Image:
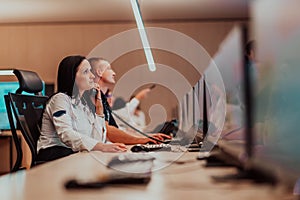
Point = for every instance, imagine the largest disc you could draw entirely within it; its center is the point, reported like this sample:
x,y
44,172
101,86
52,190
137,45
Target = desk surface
x,y
25,148
188,178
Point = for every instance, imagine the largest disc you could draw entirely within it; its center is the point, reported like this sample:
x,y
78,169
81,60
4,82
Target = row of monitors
x,y
220,84
274,82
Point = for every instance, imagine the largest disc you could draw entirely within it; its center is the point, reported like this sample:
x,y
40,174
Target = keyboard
x,y
151,147
173,141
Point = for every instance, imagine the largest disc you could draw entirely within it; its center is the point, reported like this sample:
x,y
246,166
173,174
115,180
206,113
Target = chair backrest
x,y
13,129
28,82
19,108
28,110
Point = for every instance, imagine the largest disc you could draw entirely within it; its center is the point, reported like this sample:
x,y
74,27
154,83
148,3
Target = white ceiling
x,y
20,11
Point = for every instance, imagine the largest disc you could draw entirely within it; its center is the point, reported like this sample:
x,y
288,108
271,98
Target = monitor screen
x,y
186,111
277,96
224,102
201,104
201,110
189,116
5,88
229,60
198,103
225,105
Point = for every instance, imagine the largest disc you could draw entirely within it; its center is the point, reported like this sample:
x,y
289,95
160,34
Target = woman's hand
x,y
114,147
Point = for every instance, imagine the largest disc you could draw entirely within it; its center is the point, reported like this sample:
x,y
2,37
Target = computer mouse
x,y
139,148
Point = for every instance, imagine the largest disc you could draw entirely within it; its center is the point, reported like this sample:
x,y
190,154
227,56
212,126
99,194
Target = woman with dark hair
x,y
69,123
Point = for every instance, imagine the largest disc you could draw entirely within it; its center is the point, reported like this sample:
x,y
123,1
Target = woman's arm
x,y
60,112
116,135
113,147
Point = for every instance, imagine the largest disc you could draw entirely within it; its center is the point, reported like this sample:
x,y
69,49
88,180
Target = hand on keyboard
x,y
160,136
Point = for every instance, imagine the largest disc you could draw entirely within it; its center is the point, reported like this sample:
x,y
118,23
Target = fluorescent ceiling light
x,y
6,72
143,35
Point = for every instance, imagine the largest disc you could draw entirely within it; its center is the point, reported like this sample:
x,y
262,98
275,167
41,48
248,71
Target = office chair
x,y
27,111
28,82
16,140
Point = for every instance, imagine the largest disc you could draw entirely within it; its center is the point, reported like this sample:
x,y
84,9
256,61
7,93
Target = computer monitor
x,y
199,114
213,107
201,111
229,61
182,110
276,94
190,110
5,88
188,117
271,116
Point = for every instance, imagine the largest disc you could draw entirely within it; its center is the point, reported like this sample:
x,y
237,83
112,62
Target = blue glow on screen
x,y
5,88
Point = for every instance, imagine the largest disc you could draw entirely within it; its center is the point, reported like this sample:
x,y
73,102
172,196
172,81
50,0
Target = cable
x,y
135,129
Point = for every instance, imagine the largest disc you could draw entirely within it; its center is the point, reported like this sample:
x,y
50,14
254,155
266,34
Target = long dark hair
x,y
66,75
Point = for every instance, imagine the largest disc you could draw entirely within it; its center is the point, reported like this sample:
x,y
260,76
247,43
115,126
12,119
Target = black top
x,y
107,112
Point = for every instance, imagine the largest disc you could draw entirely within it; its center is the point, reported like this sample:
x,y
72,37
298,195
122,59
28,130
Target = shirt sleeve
x,y
62,116
141,118
132,105
100,128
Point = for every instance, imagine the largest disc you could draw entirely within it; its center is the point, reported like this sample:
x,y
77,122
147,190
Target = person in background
x,y
118,103
132,112
110,98
250,51
251,63
69,125
105,77
250,59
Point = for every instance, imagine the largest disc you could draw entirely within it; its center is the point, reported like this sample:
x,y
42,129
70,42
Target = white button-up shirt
x,y
68,123
128,114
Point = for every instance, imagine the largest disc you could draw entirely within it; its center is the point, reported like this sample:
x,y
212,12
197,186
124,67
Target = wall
x,y
41,46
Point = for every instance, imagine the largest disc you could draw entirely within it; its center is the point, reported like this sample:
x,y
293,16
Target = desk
x,y
8,152
191,180
6,149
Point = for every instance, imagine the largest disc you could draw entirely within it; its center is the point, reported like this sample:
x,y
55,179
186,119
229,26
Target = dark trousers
x,y
53,153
